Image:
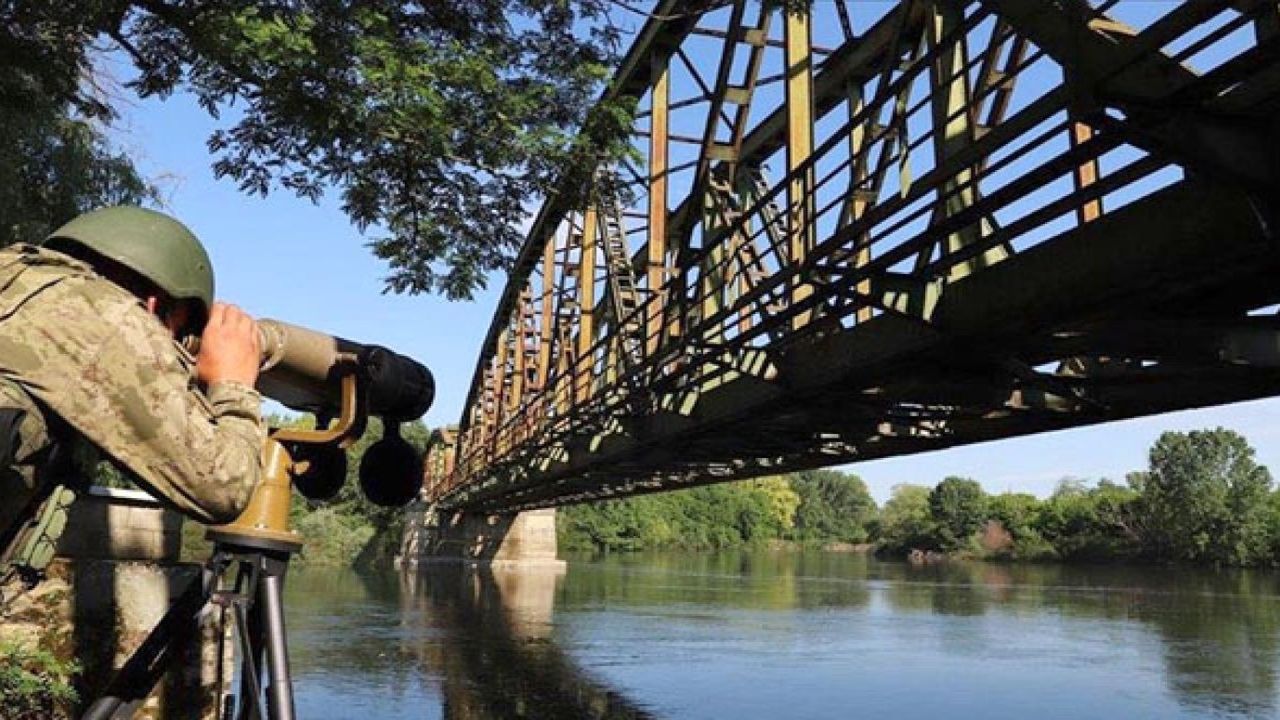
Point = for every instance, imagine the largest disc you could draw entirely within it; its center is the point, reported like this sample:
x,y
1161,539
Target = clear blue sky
x,y
283,257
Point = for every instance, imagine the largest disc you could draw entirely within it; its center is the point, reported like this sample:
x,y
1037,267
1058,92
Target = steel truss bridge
x,y
873,229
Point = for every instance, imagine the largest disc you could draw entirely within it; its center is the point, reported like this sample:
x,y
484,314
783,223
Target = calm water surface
x,y
777,635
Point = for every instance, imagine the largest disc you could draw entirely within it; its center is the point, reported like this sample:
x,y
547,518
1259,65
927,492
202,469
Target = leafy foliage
x,y
1018,513
34,685
906,522
806,507
436,121
1083,523
333,535
1022,516
833,507
55,165
55,161
782,504
1205,499
959,507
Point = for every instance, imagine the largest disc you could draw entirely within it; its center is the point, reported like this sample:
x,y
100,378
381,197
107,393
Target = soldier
x,y
90,325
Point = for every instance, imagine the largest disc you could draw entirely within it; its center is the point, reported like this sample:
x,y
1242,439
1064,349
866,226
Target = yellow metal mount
x,y
265,521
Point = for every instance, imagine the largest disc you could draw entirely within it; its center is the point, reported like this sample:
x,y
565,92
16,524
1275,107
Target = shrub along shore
x,y
1203,499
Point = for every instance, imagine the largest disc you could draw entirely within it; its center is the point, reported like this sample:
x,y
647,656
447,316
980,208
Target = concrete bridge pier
x,y
526,539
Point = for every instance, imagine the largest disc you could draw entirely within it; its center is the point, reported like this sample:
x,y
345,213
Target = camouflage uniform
x,y
89,355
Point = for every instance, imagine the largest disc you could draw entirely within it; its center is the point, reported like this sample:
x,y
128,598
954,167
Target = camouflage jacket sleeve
x,y
100,361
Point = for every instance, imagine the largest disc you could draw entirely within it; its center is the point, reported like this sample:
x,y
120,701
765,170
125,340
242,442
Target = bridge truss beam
x,y
991,218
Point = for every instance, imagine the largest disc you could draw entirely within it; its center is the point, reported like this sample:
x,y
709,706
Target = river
x,y
776,635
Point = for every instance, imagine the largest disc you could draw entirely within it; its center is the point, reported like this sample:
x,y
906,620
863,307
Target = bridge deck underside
x,y
891,315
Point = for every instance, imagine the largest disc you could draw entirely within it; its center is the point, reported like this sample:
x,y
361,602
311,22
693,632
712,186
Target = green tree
x,y
781,500
1136,480
958,506
1067,518
54,167
905,520
1090,523
1205,499
708,517
1115,507
1018,513
1273,527
833,507
619,525
436,121
55,161
1021,515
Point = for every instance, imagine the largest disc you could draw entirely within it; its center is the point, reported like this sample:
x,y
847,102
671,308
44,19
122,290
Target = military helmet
x,y
150,243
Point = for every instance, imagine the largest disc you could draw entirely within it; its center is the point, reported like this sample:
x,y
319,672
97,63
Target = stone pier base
x,y
116,575
97,612
526,539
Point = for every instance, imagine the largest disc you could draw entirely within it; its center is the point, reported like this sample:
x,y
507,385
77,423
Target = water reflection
x,y
767,635
779,581
1218,631
495,658
1221,639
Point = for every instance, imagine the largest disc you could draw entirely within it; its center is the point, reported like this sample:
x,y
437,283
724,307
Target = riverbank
x,y
1203,500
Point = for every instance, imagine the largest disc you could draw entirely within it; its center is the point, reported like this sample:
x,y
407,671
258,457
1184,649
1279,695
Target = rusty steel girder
x,y
874,229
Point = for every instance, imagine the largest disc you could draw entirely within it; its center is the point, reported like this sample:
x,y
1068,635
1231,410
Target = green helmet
x,y
150,243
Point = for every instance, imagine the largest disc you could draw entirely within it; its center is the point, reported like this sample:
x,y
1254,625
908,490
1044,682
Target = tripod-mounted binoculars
x,y
342,383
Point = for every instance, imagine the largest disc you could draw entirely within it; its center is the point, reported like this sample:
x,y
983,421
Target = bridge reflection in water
x,y
769,635
496,659
443,641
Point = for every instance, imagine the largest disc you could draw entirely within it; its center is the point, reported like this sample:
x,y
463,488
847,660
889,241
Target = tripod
x,y
259,544
257,605
254,602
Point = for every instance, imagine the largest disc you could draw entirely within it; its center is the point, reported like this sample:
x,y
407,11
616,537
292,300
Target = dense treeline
x,y
818,506
1203,499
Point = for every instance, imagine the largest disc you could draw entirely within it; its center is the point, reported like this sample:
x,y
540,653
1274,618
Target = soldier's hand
x,y
229,347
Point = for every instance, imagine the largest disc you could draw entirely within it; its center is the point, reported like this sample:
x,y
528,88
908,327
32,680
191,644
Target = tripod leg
x,y
249,632
250,698
271,602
